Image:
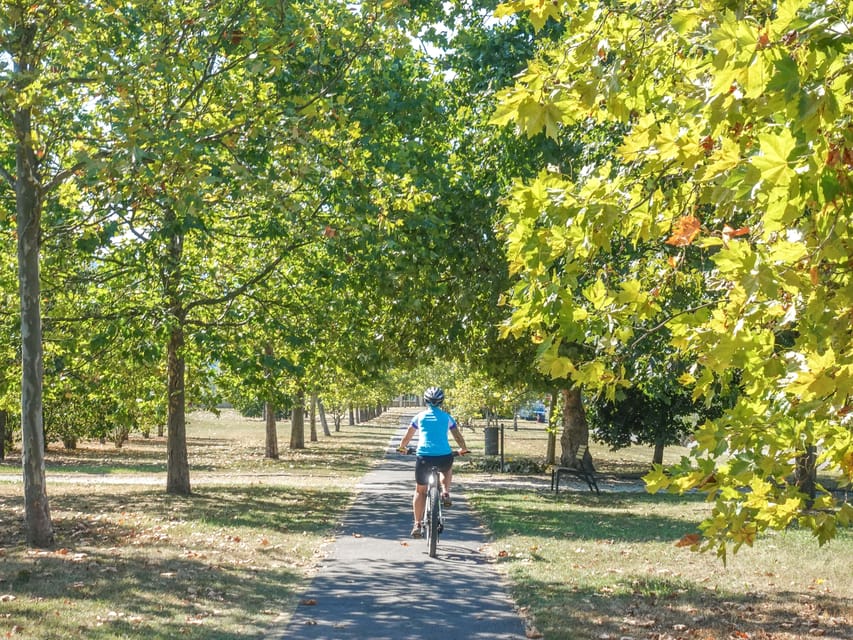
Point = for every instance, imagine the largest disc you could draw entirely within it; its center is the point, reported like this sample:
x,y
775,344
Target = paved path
x,y
377,583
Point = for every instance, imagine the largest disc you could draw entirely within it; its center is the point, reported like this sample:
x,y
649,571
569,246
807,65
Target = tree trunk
x,y
806,474
313,417
351,415
177,465
323,422
3,419
575,427
551,452
28,209
178,468
271,449
297,423
658,454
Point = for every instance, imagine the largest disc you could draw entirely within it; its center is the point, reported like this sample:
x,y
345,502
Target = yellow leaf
x,y
723,159
597,295
656,480
772,162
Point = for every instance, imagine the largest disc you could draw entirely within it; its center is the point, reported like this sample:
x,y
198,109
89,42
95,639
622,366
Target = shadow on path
x,y
378,583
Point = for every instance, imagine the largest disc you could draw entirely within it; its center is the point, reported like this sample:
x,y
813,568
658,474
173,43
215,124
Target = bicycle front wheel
x,y
433,520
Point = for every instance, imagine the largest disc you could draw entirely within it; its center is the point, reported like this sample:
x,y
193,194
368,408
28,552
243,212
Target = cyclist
x,y
433,424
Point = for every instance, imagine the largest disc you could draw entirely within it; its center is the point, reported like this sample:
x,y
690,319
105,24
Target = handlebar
x,y
410,451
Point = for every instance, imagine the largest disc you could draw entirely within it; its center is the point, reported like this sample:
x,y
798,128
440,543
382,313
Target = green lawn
x,y
132,562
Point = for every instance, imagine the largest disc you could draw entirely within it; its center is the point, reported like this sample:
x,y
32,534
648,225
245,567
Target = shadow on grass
x,y
137,597
654,607
208,455
218,564
629,517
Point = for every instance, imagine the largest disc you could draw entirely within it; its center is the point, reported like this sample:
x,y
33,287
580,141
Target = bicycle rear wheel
x,y
433,520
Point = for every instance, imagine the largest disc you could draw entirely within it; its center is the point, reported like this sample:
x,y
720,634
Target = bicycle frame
x,y
433,522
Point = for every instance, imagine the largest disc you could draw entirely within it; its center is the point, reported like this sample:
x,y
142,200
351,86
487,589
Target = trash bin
x,y
491,444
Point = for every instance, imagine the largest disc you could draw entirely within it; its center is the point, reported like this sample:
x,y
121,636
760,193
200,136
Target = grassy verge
x,y
228,562
133,562
605,567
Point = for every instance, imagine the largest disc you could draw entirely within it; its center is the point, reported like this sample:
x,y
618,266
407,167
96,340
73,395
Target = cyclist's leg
x,y
419,497
419,502
446,479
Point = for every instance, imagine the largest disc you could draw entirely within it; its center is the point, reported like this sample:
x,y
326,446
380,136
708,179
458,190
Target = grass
x,y
229,562
605,567
133,562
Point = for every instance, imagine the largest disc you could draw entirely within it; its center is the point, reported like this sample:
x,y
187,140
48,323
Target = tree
x,y
732,167
231,146
46,51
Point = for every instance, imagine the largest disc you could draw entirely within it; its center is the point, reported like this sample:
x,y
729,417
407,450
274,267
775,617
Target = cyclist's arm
x,y
457,435
410,433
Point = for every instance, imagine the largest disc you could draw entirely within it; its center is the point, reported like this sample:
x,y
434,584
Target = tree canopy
x,y
731,168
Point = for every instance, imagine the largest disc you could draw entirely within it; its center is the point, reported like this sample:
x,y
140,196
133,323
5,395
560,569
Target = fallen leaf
x,y
308,602
689,540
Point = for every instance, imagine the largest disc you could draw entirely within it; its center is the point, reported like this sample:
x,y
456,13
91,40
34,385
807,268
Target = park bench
x,y
585,471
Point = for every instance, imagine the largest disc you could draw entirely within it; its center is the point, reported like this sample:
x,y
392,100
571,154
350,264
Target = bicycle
x,y
432,524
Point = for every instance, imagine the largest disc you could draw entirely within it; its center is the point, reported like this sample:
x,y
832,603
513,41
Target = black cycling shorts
x,y
425,463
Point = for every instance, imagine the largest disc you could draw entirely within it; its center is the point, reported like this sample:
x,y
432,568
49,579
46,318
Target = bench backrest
x,y
584,459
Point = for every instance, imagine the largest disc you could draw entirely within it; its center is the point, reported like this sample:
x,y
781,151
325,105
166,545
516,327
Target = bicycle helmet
x,y
434,396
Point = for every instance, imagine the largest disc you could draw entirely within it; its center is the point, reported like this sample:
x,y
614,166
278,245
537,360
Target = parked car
x,y
533,411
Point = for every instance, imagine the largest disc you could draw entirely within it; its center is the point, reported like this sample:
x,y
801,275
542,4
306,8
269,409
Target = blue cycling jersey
x,y
434,427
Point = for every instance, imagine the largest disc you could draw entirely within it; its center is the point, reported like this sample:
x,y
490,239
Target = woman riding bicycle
x,y
434,450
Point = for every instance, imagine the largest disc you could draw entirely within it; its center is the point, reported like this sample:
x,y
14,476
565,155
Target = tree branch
x,y
262,275
8,177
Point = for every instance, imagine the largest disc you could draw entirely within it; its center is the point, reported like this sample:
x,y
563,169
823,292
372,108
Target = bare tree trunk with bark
x,y
551,452
271,448
177,462
28,210
297,423
313,418
4,415
575,427
323,422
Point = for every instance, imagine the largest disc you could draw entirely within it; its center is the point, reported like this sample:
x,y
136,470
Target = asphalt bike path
x,y
377,583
